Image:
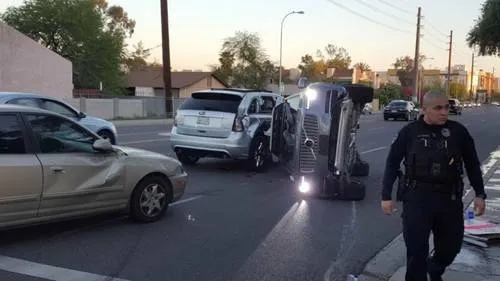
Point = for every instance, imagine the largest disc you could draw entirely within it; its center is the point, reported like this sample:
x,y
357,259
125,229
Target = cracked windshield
x,y
283,140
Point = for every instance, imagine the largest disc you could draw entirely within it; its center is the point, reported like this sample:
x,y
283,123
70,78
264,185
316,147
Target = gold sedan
x,y
52,168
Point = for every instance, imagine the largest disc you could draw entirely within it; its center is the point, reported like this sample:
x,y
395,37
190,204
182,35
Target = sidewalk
x,y
472,264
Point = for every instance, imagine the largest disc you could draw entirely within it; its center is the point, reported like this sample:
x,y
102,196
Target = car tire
x,y
259,156
353,191
342,188
149,189
360,169
106,134
186,158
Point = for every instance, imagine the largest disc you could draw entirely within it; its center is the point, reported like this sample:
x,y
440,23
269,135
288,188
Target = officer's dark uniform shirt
x,y
456,131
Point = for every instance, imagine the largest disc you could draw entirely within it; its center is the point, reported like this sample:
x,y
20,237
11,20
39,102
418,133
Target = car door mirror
x,y
81,115
102,145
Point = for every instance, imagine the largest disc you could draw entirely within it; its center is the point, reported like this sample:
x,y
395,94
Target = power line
x,y
395,7
365,17
385,13
436,29
438,38
433,44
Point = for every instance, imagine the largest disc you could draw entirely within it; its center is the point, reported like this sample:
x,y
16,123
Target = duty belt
x,y
438,187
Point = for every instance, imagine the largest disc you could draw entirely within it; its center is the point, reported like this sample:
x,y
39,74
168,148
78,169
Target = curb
x,y
393,256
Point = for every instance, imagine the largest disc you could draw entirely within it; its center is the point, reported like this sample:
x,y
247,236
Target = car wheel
x,y
259,154
186,158
106,134
150,199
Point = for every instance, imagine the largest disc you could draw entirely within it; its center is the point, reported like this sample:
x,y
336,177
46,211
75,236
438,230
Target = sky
x,y
198,28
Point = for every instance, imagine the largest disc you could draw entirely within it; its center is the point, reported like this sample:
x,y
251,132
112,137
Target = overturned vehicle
x,y
313,134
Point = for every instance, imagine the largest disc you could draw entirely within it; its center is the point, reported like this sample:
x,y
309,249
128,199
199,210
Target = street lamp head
x,y
300,12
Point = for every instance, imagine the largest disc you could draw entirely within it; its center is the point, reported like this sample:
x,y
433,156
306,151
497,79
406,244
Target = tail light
x,y
237,125
178,120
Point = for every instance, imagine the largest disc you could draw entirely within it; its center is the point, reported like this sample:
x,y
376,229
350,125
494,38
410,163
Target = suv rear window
x,y
212,102
452,101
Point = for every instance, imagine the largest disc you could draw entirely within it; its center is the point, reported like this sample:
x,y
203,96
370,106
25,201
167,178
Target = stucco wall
x,y
26,66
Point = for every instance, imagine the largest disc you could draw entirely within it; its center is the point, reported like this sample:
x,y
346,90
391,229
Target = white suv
x,y
224,123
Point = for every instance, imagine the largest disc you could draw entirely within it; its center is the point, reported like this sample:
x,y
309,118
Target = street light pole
x,y
281,47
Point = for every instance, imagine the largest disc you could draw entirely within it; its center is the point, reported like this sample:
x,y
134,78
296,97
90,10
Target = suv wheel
x,y
258,158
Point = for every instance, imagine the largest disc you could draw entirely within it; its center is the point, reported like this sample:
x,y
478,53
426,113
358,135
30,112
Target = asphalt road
x,y
234,225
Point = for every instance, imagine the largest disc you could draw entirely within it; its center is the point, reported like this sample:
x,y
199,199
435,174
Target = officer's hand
x,y
387,207
479,206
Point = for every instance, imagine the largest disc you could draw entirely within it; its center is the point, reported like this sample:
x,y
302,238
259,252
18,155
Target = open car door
x,y
283,131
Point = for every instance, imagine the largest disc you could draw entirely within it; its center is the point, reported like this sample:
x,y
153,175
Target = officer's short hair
x,y
433,96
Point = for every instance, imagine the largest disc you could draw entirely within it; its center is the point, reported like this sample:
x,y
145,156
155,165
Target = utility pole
x,y
416,67
471,76
448,77
167,78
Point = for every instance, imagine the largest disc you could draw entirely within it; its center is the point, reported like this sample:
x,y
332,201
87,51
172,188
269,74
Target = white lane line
x,y
50,272
186,200
142,141
373,150
166,134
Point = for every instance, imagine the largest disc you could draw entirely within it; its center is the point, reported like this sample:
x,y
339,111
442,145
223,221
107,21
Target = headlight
x,y
304,186
311,95
179,170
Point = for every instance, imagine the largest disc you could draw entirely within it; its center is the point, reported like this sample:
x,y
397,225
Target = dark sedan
x,y
400,109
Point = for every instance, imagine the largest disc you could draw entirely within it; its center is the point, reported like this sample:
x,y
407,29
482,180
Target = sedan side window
x,y
57,135
58,107
11,135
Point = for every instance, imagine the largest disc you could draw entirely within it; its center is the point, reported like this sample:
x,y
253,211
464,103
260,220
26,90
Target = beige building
x,y
26,66
149,83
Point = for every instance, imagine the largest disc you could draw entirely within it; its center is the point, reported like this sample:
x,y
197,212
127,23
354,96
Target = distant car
x,y
495,103
102,127
401,109
224,123
53,169
455,106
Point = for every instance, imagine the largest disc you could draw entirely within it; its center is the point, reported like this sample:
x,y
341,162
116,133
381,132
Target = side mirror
x,y
82,115
302,83
102,145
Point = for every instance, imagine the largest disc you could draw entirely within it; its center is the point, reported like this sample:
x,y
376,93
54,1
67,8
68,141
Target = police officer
x,y
433,149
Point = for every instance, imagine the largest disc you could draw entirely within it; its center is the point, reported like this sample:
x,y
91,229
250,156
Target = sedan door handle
x,y
57,170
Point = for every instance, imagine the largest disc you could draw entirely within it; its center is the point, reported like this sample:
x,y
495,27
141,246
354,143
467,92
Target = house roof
x,y
343,73
154,78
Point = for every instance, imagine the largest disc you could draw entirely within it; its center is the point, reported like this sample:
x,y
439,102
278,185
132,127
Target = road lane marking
x,y
186,200
50,272
142,141
373,150
166,134
137,134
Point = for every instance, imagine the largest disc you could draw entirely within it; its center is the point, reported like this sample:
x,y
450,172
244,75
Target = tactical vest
x,y
433,156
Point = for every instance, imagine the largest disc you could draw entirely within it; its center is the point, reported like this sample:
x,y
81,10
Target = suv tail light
x,y
178,120
237,125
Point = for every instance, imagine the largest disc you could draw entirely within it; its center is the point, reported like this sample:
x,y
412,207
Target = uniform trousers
x,y
426,211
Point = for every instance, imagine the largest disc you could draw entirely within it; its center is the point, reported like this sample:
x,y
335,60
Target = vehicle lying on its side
x,y
313,134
